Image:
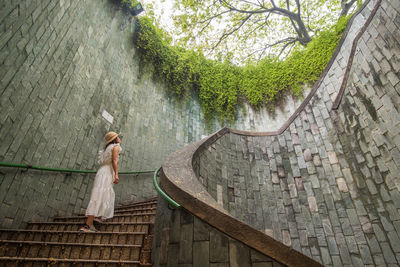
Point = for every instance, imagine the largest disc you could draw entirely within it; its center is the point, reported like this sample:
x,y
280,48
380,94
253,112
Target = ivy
x,y
129,3
223,86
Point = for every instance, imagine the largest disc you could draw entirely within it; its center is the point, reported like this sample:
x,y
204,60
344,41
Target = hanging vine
x,y
222,86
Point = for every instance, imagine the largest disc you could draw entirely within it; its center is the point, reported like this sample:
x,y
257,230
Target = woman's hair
x,y
112,142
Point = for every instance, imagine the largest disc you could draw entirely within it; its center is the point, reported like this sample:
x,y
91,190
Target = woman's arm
x,y
115,153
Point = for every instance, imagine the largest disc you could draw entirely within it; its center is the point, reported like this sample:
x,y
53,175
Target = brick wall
x,y
328,186
181,239
63,63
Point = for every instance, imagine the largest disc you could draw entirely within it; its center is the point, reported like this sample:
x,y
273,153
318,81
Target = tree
x,y
243,30
347,5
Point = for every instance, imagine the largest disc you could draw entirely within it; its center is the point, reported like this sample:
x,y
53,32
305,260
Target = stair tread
x,y
141,207
104,223
128,210
69,232
77,260
116,215
67,244
36,247
137,207
143,202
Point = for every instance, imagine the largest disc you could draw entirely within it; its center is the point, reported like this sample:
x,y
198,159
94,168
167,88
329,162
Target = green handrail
x,y
162,193
157,187
28,166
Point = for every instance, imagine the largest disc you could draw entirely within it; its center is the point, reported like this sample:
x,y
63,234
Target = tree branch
x,y
346,7
288,41
263,9
265,23
286,45
205,26
295,27
287,5
298,7
225,35
214,16
251,3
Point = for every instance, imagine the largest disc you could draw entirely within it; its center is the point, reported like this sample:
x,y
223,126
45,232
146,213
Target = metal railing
x,y
161,192
155,183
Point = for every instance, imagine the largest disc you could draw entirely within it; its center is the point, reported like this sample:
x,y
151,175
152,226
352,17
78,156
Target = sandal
x,y
98,220
88,229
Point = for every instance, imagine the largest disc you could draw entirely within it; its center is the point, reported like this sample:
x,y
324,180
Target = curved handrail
x,y
161,192
28,166
180,181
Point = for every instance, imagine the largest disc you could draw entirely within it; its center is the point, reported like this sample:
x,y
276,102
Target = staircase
x,y
123,240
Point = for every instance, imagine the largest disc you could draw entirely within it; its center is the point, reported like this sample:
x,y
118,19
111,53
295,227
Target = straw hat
x,y
110,136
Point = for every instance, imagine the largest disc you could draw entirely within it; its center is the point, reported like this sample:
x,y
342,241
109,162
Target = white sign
x,y
107,116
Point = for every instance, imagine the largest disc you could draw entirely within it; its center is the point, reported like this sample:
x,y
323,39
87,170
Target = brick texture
x,y
328,186
180,239
62,64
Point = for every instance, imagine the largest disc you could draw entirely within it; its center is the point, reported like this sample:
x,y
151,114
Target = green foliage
x,y
222,86
129,3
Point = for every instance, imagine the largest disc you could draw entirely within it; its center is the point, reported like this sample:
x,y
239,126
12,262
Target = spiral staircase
x,y
123,240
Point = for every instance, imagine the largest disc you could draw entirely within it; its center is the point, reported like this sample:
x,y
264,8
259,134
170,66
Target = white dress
x,y
102,199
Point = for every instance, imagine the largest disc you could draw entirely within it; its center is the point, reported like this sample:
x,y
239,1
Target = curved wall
x,y
181,239
328,185
63,63
68,75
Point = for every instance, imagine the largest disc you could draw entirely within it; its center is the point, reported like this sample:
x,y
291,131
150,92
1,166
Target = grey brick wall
x,y
328,186
180,239
62,64
29,195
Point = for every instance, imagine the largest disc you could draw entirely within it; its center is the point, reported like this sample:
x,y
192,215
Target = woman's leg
x,y
89,227
89,220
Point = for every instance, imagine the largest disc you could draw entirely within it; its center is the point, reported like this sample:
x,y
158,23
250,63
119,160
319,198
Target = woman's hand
x,y
116,180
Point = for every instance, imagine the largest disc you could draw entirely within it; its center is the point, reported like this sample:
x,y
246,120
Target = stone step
x,y
144,209
33,249
102,237
25,261
143,217
104,227
139,205
124,239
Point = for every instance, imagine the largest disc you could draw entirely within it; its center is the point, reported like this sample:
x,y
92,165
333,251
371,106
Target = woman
x,y
101,204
